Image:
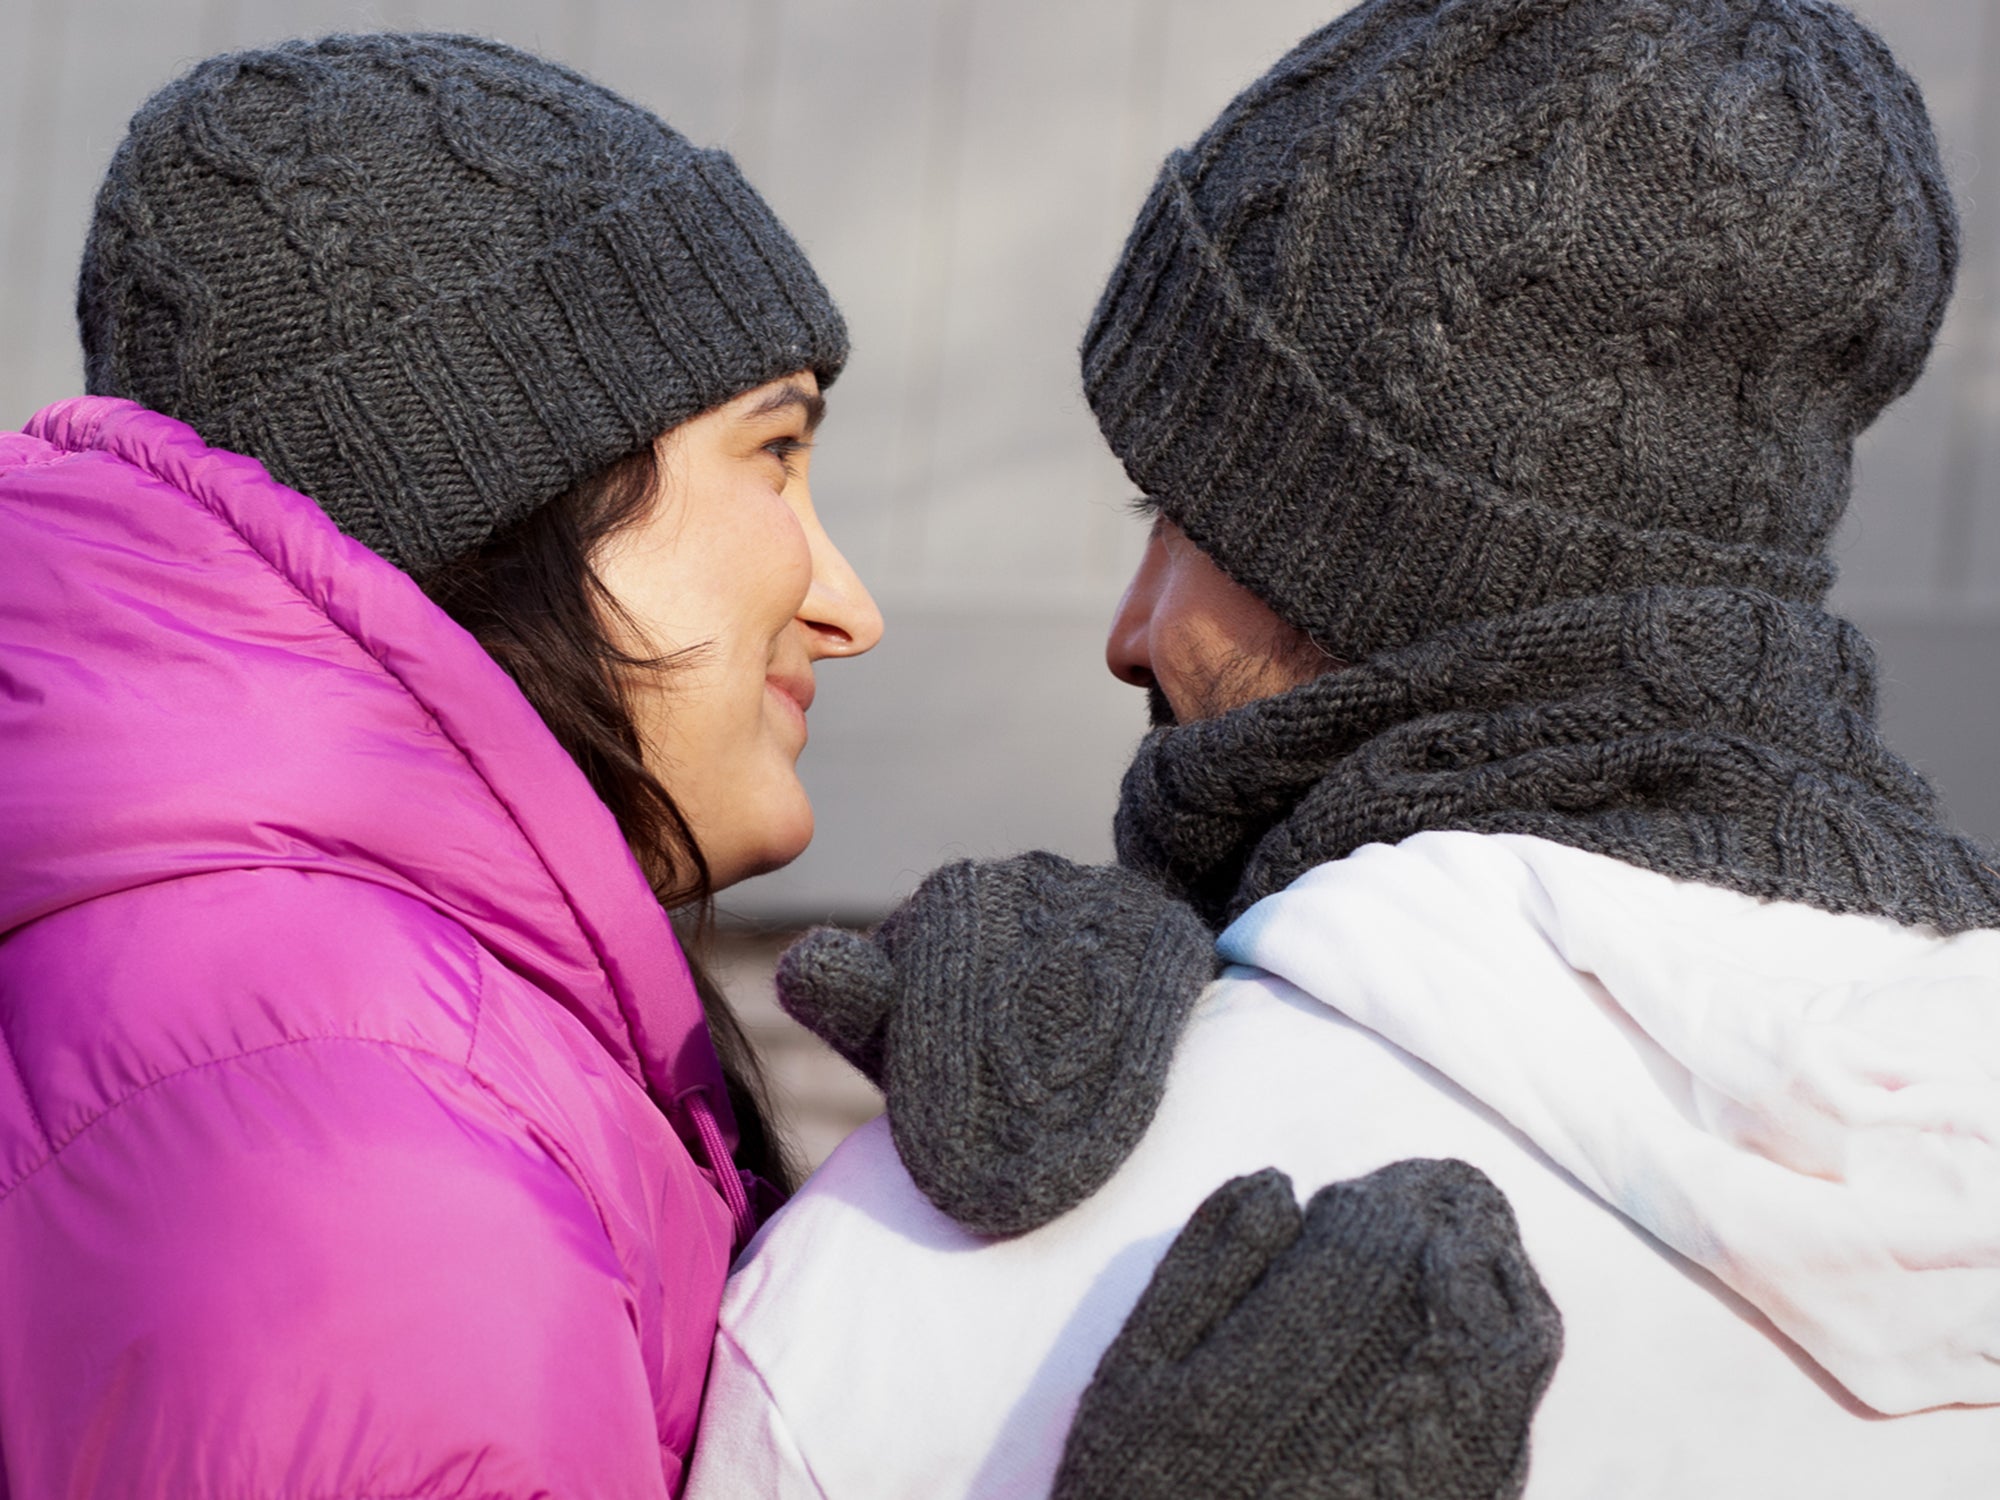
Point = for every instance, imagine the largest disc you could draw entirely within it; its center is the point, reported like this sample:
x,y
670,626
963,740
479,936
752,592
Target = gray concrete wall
x,y
962,171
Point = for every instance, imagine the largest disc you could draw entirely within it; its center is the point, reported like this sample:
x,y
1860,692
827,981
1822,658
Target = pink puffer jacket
x,y
333,1017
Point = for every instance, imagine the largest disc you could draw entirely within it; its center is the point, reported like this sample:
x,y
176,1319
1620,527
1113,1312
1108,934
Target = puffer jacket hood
x,y
360,1132
1800,1102
222,585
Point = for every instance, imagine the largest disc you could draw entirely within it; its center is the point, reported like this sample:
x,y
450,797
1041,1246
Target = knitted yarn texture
x,y
1718,735
432,281
1515,351
1391,1341
1470,306
1019,1014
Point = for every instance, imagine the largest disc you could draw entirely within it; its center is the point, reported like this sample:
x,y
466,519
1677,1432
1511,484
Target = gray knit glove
x,y
1391,1341
1019,1014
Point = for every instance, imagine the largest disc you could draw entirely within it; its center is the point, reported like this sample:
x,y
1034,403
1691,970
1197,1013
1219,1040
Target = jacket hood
x,y
199,672
1806,1104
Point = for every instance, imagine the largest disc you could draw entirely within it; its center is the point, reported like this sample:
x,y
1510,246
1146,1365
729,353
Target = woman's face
x,y
731,566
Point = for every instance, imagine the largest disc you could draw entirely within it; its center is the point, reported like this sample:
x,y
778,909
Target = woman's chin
x,y
770,847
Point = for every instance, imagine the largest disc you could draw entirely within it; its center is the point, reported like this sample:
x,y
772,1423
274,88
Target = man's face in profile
x,y
1197,640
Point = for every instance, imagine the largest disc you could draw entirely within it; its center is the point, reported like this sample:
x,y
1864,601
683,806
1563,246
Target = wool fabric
x,y
1719,735
432,281
1019,1015
1515,350
1390,1341
1467,306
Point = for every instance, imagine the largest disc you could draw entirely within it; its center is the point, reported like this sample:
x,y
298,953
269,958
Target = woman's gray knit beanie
x,y
432,281
1470,305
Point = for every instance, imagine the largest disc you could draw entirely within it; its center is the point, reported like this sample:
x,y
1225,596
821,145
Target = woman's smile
x,y
731,582
794,696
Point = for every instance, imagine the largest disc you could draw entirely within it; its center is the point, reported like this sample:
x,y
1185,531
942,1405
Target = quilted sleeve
x,y
331,1269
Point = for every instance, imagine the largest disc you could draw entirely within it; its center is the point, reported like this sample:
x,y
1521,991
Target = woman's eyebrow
x,y
788,396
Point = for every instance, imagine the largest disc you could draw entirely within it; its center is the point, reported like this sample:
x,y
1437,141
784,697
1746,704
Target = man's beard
x,y
1240,678
1290,659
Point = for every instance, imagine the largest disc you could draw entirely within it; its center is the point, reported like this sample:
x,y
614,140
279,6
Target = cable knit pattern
x,y
1019,1014
1465,308
1718,735
1515,350
1431,1342
432,281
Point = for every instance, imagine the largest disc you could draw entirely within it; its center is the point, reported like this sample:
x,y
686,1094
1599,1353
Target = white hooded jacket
x,y
1754,1148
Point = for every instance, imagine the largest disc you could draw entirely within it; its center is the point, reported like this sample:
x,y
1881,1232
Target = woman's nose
x,y
840,614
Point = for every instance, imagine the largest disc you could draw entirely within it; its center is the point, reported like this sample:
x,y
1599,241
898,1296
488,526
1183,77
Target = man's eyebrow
x,y
789,395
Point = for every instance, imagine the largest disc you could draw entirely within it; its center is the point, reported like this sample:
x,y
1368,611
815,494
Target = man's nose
x,y
1128,646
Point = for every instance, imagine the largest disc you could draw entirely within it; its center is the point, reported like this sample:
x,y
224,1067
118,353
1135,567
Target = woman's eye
x,y
785,450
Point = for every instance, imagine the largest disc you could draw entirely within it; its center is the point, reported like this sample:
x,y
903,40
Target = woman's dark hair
x,y
531,597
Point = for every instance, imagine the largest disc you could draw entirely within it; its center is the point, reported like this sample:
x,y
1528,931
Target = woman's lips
x,y
796,693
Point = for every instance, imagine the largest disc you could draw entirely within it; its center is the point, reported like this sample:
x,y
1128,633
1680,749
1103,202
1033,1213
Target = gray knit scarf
x,y
1719,735
1021,1013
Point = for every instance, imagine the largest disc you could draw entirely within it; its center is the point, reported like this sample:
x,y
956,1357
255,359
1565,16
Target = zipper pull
x,y
729,1178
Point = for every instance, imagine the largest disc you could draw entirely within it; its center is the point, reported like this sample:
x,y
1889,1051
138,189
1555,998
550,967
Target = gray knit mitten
x,y
1392,1340
1019,1014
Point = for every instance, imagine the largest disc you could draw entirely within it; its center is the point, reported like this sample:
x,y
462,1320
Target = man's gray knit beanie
x,y
1471,305
432,281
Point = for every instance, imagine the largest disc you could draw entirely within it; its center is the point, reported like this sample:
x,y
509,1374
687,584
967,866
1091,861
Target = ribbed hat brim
x,y
412,417
1362,541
